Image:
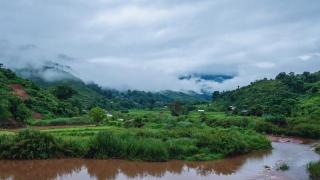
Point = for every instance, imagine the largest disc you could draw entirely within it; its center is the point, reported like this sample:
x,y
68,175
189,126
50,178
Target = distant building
x,y
231,108
200,110
244,112
109,115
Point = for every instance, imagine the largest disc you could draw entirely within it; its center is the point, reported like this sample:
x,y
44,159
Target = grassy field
x,y
151,135
157,136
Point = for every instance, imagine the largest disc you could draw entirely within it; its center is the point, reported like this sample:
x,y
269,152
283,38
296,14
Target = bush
x,y
97,114
264,127
226,142
31,144
136,123
181,148
228,122
5,113
318,149
279,120
110,145
314,170
282,166
307,130
63,92
62,121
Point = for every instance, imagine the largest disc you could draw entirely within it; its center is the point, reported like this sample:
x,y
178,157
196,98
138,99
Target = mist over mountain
x,y
148,45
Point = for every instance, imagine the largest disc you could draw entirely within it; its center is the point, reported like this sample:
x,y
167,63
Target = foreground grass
x,y
314,167
314,170
131,143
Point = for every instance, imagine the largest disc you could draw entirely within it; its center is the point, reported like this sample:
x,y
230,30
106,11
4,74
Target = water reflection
x,y
110,169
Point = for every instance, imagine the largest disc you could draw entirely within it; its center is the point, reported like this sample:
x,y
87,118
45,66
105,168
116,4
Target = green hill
x,y
92,95
21,99
287,94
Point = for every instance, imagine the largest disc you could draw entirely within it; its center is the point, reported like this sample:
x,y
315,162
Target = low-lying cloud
x,y
148,45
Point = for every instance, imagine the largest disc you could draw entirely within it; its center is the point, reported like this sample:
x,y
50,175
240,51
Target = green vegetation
x,y
134,143
288,104
140,125
81,120
29,144
97,115
314,167
283,167
317,149
23,100
314,170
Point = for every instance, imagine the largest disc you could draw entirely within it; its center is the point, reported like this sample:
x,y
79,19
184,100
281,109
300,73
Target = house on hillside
x,y
109,115
244,112
231,108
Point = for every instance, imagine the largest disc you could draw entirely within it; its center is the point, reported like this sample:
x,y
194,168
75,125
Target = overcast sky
x,y
148,44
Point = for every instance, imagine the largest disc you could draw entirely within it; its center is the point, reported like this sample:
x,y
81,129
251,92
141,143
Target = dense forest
x,y
288,94
36,98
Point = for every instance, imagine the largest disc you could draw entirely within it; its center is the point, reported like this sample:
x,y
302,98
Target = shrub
x,y
97,114
228,122
227,142
318,149
314,170
136,123
181,148
307,130
279,120
282,166
22,113
31,144
62,121
110,145
63,92
264,127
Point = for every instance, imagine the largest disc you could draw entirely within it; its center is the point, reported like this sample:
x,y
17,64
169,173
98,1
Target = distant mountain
x,y
91,94
21,98
51,72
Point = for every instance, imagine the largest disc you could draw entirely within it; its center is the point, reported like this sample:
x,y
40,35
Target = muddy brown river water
x,y
246,167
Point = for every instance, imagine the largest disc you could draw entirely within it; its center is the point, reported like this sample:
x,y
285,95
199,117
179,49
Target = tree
x,y
97,114
63,92
176,108
22,113
215,95
203,117
5,113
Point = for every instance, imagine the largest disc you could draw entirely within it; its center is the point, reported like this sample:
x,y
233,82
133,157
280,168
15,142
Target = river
x,y
247,167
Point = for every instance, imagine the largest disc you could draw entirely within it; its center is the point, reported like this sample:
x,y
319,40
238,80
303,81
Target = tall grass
x,y
195,144
109,145
62,121
134,143
314,170
31,144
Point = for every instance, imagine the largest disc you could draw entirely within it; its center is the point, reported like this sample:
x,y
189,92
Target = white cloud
x,y
146,44
265,65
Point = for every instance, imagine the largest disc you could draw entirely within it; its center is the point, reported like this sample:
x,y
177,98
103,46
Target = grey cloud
x,y
146,44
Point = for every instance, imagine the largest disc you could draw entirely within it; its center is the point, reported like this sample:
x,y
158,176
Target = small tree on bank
x,y
97,114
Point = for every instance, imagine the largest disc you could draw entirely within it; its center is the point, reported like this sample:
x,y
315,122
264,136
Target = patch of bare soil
x,y
19,91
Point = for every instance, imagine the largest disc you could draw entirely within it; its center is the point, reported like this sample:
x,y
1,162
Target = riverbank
x,y
193,144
